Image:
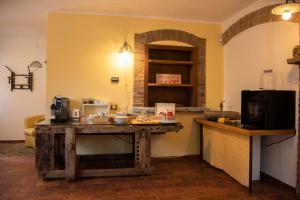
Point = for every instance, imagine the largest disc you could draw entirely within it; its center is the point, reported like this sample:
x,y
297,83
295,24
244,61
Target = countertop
x,y
104,128
177,109
238,128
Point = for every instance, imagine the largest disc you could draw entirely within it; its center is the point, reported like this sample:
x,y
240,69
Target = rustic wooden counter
x,y
56,148
229,146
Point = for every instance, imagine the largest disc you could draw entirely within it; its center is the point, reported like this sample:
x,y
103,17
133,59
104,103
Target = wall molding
x,y
252,19
141,39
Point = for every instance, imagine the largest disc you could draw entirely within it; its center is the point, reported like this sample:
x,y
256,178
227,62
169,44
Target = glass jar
x,y
267,80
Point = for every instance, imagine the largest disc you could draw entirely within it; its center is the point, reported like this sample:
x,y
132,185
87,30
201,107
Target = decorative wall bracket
x,y
14,85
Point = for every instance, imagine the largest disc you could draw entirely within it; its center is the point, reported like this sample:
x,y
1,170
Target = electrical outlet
x,y
114,80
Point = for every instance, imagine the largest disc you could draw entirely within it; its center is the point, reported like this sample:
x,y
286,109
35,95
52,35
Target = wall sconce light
x,y
287,10
36,64
125,56
125,52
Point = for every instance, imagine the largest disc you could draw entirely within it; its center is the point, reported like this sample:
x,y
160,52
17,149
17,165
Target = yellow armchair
x,y
29,129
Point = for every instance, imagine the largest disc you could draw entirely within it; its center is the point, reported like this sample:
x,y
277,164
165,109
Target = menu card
x,y
165,111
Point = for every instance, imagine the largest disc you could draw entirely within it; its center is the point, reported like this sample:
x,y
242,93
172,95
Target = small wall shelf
x,y
294,61
24,86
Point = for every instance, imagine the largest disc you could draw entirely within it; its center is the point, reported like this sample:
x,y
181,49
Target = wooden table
x,y
56,148
241,134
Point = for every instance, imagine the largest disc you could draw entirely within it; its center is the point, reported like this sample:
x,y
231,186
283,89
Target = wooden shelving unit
x,y
163,59
295,60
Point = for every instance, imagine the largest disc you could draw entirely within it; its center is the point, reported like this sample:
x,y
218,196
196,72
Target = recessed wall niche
x,y
140,41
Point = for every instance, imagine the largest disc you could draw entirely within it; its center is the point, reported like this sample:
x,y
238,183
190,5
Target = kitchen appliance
x,y
60,109
75,114
268,109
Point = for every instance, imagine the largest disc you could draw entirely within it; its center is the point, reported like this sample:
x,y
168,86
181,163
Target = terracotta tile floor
x,y
172,179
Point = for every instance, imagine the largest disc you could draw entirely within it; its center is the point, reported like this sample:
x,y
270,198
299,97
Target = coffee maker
x,y
60,109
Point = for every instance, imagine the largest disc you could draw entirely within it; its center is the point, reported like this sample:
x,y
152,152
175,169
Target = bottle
x,y
267,80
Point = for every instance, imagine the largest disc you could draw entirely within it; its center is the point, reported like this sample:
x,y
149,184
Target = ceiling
x,y
29,17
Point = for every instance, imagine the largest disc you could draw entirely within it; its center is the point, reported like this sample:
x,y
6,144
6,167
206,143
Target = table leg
x,y
70,154
143,150
201,141
43,153
250,164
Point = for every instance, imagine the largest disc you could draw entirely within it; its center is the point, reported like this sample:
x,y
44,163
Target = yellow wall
x,y
82,57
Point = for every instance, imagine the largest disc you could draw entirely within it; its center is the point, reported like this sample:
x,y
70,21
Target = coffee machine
x,y
60,109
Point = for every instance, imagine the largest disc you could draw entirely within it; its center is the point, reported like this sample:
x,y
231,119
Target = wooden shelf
x,y
170,62
169,85
295,60
239,130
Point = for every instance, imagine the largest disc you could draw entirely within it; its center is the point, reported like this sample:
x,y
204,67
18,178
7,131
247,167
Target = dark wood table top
x,y
84,128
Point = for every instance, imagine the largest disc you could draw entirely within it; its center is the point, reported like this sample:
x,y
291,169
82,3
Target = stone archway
x,y
141,39
254,18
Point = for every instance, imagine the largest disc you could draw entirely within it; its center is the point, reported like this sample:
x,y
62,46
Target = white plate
x,y
163,121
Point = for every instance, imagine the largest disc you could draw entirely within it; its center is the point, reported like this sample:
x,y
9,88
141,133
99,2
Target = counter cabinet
x,y
230,147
